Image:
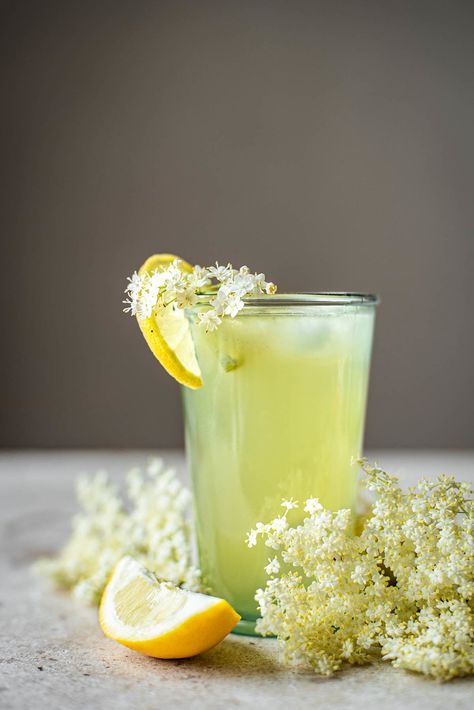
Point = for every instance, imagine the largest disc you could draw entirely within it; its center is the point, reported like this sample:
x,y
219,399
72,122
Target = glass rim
x,y
308,298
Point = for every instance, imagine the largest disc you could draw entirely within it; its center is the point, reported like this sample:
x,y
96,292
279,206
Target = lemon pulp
x,y
158,619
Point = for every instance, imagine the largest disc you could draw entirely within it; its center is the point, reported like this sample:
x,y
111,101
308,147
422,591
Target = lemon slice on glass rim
x,y
167,331
159,619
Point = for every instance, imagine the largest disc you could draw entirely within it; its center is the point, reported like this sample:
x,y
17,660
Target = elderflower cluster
x,y
153,529
402,589
174,287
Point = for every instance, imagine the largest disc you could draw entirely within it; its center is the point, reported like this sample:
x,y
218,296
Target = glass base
x,y
245,627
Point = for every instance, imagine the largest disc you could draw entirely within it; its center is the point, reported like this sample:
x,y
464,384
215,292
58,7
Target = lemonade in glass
x,y
280,415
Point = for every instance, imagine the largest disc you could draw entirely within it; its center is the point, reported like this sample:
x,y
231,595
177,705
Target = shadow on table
x,y
236,656
232,658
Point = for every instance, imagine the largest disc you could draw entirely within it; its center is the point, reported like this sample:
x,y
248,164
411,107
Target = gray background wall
x,y
329,144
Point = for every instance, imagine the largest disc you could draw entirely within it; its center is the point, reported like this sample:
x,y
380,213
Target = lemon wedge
x,y
159,619
167,331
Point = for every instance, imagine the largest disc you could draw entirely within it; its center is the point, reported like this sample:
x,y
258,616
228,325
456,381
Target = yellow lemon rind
x,y
155,341
157,261
197,634
166,357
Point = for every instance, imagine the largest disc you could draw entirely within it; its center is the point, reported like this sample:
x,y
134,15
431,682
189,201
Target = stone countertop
x,y
53,653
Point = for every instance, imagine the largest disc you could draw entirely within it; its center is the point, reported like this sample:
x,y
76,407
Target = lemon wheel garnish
x,y
167,331
158,619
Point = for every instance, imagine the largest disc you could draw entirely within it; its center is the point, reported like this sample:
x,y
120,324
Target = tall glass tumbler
x,y
280,415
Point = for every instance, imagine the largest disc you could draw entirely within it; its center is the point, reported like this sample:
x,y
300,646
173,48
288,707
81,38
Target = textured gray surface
x,y
53,654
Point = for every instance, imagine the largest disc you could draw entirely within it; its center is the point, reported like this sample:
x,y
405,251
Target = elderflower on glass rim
x,y
173,285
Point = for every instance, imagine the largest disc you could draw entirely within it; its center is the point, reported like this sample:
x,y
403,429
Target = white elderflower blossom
x,y
209,320
174,287
234,305
273,567
403,588
186,298
220,273
313,506
153,528
198,278
251,538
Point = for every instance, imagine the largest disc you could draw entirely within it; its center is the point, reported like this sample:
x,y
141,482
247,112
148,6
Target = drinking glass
x,y
280,415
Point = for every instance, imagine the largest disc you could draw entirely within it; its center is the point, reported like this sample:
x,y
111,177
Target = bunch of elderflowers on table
x,y
402,589
150,524
179,285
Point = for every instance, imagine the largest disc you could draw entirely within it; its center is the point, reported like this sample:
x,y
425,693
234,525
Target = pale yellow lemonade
x,y
280,415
